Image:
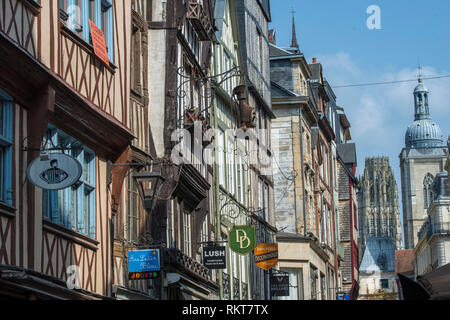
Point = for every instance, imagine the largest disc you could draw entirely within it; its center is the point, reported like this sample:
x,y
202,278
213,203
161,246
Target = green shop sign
x,y
242,239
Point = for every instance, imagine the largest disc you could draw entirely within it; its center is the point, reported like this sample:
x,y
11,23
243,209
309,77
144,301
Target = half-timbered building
x,y
59,93
179,65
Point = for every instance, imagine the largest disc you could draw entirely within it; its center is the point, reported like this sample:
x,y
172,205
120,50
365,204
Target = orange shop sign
x,y
266,255
99,42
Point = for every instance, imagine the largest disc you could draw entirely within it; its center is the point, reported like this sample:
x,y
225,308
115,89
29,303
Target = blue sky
x,y
336,33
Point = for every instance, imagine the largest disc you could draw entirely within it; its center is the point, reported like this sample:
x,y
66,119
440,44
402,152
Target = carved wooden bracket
x,y
38,117
118,176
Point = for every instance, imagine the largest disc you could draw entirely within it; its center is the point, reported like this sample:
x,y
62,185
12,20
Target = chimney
x,y
314,60
272,37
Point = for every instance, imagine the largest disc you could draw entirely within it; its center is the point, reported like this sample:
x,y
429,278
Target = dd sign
x,y
214,257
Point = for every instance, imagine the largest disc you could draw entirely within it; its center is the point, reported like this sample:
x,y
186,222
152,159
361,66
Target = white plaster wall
x,y
157,91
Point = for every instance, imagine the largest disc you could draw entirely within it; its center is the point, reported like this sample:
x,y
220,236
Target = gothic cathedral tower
x,y
422,158
379,213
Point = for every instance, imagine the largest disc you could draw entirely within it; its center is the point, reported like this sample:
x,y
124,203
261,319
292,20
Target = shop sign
x,y
214,257
54,171
143,264
279,285
242,239
266,255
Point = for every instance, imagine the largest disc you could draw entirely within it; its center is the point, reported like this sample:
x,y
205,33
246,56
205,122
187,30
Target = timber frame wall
x,y
53,76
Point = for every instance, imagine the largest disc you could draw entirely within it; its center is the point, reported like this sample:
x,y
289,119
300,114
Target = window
x,y
372,226
133,211
77,13
187,233
295,285
427,191
136,54
384,283
240,178
322,287
244,268
372,194
231,165
227,66
260,51
313,279
261,199
74,207
6,141
192,39
266,201
221,152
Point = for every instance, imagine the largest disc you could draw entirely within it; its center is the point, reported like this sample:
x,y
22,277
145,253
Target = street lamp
x,y
149,186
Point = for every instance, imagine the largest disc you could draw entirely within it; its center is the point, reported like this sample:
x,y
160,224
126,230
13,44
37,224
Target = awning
x,y
191,290
20,283
355,291
437,283
411,289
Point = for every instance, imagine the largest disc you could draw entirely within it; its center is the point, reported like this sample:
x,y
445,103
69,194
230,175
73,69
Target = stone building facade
x,y
378,205
433,248
424,155
253,17
305,183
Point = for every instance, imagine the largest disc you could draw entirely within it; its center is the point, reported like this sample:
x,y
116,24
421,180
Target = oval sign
x,y
55,171
266,255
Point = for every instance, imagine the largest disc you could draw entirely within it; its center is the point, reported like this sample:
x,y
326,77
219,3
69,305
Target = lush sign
x,y
54,171
214,257
242,239
266,255
143,264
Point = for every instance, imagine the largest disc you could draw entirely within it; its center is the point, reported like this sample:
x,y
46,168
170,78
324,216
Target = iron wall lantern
x,y
149,186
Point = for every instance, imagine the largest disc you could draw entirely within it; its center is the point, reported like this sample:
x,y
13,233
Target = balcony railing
x,y
178,259
236,289
244,291
226,286
441,228
434,229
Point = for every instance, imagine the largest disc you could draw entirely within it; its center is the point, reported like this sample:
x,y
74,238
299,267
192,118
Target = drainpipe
x,y
216,182
303,172
327,276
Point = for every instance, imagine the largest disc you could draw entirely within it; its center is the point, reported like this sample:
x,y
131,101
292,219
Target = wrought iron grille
x,y
226,286
236,289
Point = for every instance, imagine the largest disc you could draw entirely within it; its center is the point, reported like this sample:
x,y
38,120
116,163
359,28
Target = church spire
x,y
294,43
421,95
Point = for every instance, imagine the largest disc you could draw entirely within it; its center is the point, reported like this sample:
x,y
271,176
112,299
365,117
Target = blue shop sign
x,y
144,261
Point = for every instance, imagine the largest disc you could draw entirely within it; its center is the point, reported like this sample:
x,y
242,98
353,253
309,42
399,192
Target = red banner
x,y
98,40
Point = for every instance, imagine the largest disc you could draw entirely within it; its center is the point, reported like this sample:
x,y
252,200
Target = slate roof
x,y
379,255
280,92
316,71
275,51
347,152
